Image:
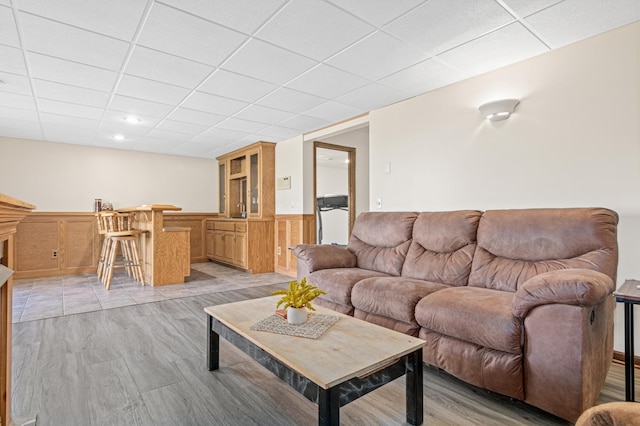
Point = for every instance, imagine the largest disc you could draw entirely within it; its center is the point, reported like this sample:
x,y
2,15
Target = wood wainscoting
x,y
63,243
291,230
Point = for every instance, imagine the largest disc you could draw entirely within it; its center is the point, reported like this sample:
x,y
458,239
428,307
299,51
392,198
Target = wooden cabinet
x,y
242,243
247,182
243,236
209,239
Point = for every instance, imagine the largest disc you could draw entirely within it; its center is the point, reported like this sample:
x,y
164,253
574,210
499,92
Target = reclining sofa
x,y
514,301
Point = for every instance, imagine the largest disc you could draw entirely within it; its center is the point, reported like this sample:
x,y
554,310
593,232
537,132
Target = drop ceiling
x,y
208,76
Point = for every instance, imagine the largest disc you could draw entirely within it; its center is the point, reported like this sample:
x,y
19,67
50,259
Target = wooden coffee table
x,y
351,359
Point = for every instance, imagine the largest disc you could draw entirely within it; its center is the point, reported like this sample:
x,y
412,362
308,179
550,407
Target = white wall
x,y
573,141
63,177
289,163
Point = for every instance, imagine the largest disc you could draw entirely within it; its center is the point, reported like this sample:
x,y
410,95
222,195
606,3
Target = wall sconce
x,y
499,110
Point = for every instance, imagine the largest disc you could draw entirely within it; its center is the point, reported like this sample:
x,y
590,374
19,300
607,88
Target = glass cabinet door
x,y
254,179
222,182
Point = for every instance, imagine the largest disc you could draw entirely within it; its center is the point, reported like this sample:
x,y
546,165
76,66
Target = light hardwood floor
x,y
145,365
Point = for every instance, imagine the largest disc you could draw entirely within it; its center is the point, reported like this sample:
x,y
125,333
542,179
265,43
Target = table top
x,y
630,290
350,348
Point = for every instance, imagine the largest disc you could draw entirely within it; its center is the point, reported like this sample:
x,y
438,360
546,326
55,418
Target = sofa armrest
x,y
583,287
316,257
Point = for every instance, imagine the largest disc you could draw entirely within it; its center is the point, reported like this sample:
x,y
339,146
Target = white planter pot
x,y
296,315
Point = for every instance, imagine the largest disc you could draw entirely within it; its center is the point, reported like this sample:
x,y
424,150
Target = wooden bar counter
x,y
12,211
164,251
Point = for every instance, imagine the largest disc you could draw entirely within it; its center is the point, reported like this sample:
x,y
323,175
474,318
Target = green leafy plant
x,y
299,295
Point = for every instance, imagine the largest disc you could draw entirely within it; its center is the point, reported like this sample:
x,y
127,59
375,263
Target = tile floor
x,y
39,298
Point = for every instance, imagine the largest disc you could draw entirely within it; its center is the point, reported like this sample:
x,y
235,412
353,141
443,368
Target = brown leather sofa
x,y
515,301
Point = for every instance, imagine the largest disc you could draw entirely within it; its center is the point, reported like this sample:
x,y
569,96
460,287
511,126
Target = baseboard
x,y
618,357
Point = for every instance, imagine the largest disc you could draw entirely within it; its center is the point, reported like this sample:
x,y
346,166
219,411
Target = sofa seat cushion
x,y
473,314
392,297
339,282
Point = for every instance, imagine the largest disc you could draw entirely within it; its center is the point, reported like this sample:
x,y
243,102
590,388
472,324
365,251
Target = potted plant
x,y
297,299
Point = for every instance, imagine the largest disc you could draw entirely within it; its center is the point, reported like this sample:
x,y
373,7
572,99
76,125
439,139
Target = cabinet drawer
x,y
241,227
223,226
209,224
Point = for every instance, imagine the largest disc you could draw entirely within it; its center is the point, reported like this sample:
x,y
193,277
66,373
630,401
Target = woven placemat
x,y
315,326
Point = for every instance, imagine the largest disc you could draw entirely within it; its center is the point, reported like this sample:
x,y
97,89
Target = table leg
x,y
329,406
629,379
414,388
213,346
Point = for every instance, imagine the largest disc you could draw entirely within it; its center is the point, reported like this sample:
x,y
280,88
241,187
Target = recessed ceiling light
x,y
132,119
118,137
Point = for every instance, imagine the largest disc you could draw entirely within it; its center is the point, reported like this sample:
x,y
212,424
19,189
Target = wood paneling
x,y
291,230
72,236
195,221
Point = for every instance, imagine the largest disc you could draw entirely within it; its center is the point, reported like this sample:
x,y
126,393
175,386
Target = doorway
x,y
334,192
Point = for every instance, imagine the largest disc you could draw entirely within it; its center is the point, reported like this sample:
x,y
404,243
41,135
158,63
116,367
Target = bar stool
x,y
117,231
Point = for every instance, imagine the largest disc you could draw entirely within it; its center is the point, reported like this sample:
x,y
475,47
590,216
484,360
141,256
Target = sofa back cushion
x,y
442,247
515,245
380,240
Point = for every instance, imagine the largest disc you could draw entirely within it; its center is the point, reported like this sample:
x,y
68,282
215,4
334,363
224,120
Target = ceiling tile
x,y
263,61
439,25
327,82
156,145
14,83
119,127
190,149
19,114
142,88
116,18
290,100
263,114
32,132
190,37
169,135
182,127
573,20
279,132
119,117
527,7
242,15
241,125
334,111
423,77
12,60
66,120
197,117
139,106
372,96
17,101
66,93
377,12
66,42
67,134
320,29
305,123
73,110
213,104
217,132
106,140
8,30
363,58
506,46
236,86
211,141
75,74
166,68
